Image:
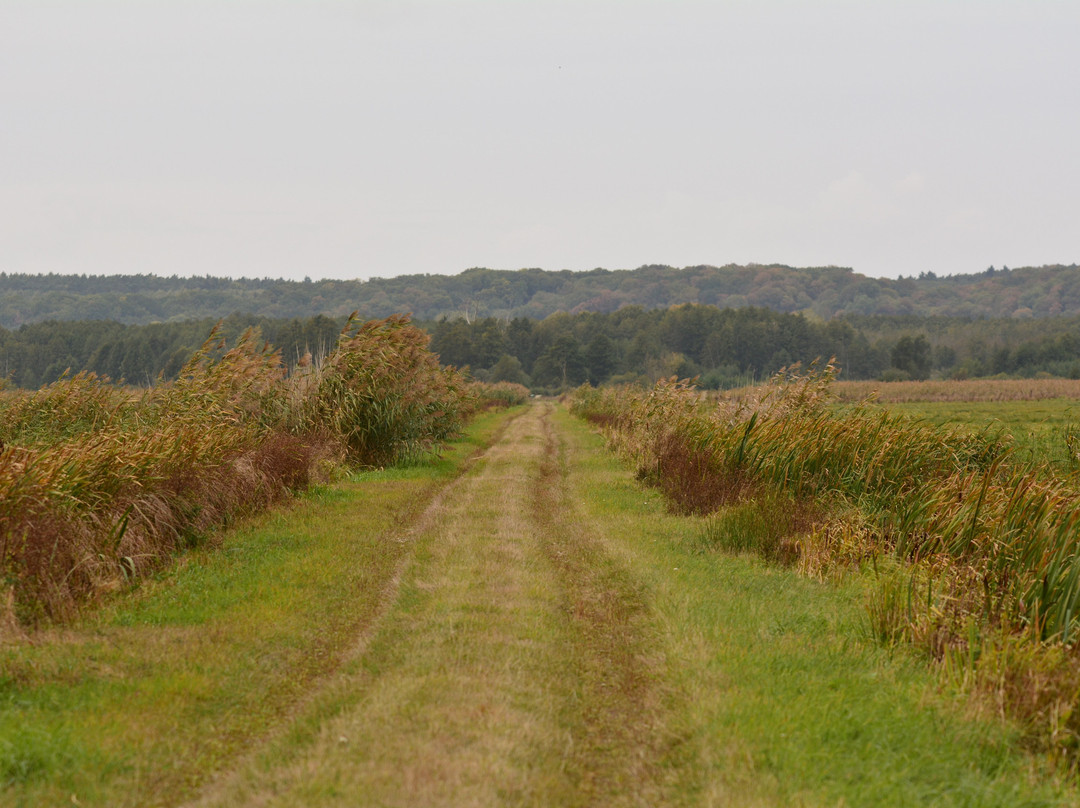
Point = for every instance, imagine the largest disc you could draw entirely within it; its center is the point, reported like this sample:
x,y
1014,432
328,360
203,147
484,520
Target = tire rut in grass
x,y
621,741
514,665
458,698
330,692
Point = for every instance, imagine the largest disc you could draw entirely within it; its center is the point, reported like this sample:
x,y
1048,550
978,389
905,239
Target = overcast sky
x,y
369,138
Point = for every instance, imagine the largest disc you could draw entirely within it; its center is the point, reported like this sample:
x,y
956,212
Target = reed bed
x,y
490,395
982,551
100,484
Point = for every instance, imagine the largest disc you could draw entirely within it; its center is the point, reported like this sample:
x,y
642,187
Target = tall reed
x,y
99,484
489,395
992,545
383,395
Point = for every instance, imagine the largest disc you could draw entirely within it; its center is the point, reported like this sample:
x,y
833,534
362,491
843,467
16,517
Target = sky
x,y
375,138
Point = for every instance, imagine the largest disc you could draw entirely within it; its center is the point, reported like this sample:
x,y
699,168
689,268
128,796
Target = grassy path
x,y
512,669
528,628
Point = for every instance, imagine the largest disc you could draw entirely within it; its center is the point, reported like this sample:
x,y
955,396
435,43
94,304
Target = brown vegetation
x,y
98,484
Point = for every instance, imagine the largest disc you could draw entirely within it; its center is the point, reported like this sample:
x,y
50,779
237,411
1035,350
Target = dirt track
x,y
512,662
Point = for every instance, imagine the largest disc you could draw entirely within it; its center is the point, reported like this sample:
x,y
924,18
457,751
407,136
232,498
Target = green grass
x,y
784,697
139,703
1039,428
457,698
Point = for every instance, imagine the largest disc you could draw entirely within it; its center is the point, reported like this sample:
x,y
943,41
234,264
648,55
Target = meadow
x,y
1040,416
958,390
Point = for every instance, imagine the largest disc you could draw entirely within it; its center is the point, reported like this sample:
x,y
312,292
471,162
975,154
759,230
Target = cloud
x,y
853,197
913,183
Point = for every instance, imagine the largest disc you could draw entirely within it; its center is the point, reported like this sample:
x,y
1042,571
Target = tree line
x,y
822,292
38,354
723,347
729,347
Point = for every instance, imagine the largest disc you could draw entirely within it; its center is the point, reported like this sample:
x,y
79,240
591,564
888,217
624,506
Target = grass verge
x,y
785,698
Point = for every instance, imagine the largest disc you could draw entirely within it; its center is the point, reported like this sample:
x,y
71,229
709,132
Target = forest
x,y
821,292
724,347
38,354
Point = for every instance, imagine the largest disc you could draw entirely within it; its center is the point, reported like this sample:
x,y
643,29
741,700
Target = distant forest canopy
x,y
819,292
39,354
724,347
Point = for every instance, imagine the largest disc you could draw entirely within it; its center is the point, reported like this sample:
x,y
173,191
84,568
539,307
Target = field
x,y
970,390
1042,416
530,619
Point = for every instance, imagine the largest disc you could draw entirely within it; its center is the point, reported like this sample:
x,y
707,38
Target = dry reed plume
x,y
99,484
